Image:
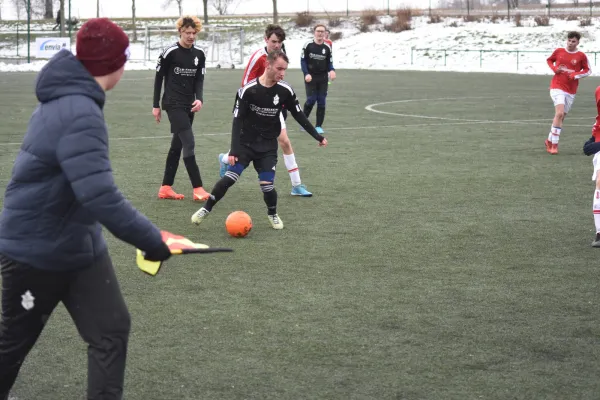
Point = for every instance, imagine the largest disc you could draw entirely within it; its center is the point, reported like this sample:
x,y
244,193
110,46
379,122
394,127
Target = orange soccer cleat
x,y
548,145
200,194
167,192
554,148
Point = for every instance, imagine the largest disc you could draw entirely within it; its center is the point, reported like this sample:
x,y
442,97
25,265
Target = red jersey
x,y
329,42
596,127
575,66
256,65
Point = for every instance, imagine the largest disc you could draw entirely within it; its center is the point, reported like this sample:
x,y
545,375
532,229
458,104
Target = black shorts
x,y
316,87
262,161
181,119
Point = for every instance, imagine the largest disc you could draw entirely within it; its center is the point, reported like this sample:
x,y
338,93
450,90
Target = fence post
x,y
595,58
445,57
480,58
411,55
517,60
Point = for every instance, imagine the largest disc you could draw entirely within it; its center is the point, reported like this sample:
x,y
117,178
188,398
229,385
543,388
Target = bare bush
x,y
405,14
435,19
335,36
541,21
585,22
397,26
364,28
369,16
471,18
571,17
335,22
304,19
518,19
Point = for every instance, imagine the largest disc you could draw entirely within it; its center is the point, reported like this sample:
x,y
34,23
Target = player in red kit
x,y
569,66
327,40
592,146
274,37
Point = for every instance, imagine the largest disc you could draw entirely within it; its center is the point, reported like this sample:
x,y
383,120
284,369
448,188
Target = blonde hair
x,y
189,21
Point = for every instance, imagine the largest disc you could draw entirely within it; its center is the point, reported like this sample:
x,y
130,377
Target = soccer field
x,y
444,255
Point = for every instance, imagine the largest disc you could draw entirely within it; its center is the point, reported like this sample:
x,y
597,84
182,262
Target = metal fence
x,y
483,57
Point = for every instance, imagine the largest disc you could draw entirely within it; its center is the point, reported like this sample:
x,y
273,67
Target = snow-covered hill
x,y
451,45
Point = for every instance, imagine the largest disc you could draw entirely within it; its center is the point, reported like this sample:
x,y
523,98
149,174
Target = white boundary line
x,y
371,107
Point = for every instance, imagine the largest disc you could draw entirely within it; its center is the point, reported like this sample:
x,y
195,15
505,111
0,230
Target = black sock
x,y
193,171
307,109
320,116
171,166
270,197
218,191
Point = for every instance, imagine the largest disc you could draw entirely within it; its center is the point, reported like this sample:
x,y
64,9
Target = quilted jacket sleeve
x,y
83,156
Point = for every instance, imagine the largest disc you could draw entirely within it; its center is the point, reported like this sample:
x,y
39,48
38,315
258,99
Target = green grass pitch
x,y
444,255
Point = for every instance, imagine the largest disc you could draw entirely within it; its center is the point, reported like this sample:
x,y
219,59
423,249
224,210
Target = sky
x,y
154,8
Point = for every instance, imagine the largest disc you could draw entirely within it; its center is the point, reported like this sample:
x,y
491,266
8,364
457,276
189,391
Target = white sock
x,y
596,209
555,135
225,158
292,167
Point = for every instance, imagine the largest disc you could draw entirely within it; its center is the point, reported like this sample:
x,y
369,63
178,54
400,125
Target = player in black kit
x,y
182,66
317,66
254,133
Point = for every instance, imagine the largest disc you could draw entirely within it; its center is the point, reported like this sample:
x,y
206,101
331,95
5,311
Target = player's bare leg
x,y
596,207
298,189
555,131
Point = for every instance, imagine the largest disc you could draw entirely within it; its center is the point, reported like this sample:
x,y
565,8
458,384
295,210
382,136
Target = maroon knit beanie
x,y
102,46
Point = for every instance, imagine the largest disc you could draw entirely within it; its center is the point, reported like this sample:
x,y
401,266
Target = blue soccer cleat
x,y
320,130
300,190
222,165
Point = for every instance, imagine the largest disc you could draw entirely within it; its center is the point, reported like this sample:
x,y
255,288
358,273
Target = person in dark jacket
x,y
60,194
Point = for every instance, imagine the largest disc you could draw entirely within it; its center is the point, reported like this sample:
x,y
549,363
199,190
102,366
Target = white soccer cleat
x,y
275,221
199,215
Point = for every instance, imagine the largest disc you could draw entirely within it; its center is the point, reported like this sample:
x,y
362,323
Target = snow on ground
x,y
466,46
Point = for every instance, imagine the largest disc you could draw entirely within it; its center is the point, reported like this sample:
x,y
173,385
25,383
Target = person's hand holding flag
x,y
150,263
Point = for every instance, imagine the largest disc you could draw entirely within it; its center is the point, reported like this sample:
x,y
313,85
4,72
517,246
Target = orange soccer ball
x,y
238,224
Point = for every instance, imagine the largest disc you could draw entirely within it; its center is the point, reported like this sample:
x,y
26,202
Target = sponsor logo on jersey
x,y
264,111
184,71
317,56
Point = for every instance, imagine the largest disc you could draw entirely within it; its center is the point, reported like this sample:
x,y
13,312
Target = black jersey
x,y
183,71
317,59
256,116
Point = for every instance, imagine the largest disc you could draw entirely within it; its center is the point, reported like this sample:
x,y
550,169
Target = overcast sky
x,y
154,8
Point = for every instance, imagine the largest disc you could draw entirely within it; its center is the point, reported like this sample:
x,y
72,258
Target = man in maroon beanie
x,y
60,195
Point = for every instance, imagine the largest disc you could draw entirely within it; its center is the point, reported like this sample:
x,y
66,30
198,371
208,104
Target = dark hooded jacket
x,y
62,189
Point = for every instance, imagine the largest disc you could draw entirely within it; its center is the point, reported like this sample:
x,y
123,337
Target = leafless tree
x,y
205,4
275,13
222,6
167,3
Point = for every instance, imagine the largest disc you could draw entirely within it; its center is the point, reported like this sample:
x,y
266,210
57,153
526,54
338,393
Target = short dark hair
x,y
574,34
318,25
275,29
275,54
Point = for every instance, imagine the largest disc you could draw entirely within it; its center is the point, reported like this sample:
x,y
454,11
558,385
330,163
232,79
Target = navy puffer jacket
x,y
62,189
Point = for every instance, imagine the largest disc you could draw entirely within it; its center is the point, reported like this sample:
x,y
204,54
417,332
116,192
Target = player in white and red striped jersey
x,y
274,37
569,66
